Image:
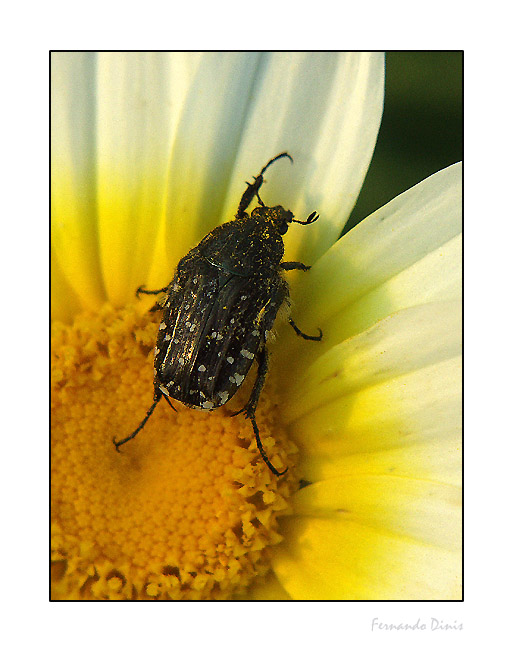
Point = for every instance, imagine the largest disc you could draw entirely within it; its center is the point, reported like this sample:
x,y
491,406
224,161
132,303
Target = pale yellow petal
x,y
139,98
406,426
271,589
406,341
375,538
427,511
65,302
74,180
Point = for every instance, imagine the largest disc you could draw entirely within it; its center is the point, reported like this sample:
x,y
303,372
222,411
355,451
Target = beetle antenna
x,y
280,155
311,219
252,188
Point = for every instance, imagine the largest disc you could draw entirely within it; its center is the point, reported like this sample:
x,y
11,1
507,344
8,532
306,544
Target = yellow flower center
x,y
188,509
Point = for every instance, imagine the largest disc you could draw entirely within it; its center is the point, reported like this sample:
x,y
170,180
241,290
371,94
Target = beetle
x,y
220,308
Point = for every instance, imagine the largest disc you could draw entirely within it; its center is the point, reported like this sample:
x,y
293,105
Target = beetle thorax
x,y
248,246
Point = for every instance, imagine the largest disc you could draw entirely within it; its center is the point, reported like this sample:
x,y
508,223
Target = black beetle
x,y
219,309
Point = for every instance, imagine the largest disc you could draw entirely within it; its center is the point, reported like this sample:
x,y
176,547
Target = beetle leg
x,y
156,400
152,292
263,366
250,407
307,337
291,266
261,449
260,202
278,296
169,401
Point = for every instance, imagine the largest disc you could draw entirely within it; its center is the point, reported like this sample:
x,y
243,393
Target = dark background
x,y
422,127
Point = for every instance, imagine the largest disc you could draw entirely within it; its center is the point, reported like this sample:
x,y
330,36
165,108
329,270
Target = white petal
x,y
434,278
406,341
395,237
325,110
205,148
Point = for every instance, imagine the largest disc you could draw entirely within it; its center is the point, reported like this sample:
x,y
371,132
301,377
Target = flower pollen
x,y
188,509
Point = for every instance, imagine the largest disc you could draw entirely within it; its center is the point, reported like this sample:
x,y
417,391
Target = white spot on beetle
x,y
207,405
255,332
167,337
223,397
202,368
162,325
230,359
181,361
238,378
247,354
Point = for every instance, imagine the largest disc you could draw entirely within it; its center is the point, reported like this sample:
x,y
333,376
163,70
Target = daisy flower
x,y
150,151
